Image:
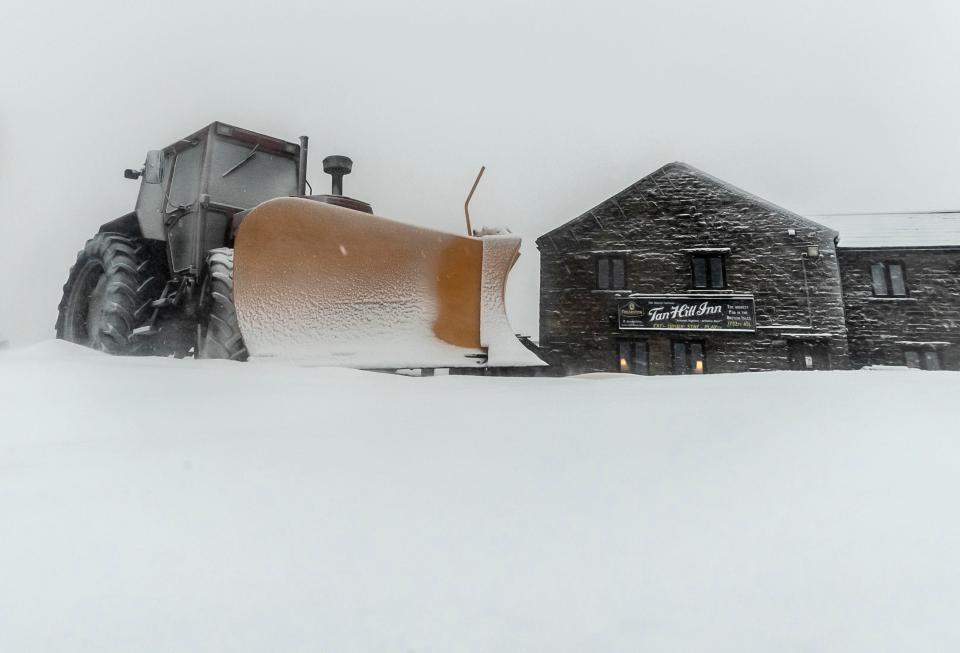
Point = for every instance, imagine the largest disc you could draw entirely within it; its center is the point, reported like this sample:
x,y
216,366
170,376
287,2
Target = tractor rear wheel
x,y
218,333
107,294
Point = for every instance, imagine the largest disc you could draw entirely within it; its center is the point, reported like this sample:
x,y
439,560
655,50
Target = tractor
x,y
226,255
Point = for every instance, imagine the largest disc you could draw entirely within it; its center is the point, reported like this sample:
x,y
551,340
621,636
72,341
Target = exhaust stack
x,y
337,166
302,170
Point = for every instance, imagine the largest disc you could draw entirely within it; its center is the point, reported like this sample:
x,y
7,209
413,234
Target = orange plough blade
x,y
327,285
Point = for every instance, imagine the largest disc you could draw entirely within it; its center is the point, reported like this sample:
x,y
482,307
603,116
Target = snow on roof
x,y
664,172
931,229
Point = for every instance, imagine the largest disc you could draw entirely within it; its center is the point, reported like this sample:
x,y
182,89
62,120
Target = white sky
x,y
818,106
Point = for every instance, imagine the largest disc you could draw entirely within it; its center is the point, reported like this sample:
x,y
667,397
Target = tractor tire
x,y
218,334
108,294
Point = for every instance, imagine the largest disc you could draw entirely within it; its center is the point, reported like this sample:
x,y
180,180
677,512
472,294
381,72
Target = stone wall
x,y
651,222
881,328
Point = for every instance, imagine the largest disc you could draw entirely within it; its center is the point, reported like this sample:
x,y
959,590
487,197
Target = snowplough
x,y
226,255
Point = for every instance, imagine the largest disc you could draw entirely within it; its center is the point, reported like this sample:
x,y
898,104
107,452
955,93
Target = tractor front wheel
x,y
107,294
218,333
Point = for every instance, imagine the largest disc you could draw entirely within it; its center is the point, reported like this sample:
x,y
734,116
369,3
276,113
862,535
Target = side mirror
x,y
153,167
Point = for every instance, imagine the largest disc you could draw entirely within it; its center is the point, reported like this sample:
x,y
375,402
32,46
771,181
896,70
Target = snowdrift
x,y
162,505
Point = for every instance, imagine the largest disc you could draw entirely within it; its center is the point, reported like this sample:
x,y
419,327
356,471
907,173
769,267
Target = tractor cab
x,y
191,190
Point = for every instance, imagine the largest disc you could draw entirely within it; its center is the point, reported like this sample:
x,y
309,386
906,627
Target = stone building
x,y
684,273
901,287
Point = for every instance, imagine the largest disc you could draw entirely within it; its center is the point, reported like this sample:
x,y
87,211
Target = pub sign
x,y
688,312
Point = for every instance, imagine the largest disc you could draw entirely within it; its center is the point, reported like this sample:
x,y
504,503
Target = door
x,y
809,355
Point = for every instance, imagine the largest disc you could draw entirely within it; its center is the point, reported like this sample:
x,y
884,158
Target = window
x,y
926,359
687,358
611,273
632,357
888,279
708,271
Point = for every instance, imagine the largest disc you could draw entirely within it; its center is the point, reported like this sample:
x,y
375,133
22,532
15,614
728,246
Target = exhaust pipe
x,y
337,166
302,170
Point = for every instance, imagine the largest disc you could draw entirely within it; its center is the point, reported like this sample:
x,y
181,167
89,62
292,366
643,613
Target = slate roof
x,y
869,230
857,230
685,168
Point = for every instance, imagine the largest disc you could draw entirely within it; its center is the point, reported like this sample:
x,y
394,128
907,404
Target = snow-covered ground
x,y
163,505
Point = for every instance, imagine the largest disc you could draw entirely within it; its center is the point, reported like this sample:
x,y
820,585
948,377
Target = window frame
x,y
610,258
888,279
708,269
632,345
688,368
921,353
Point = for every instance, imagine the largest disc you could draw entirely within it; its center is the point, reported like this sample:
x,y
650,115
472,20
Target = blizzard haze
x,y
818,106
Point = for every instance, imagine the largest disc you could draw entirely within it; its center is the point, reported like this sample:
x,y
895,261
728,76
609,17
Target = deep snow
x,y
163,505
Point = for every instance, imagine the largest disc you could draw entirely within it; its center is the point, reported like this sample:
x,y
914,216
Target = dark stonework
x,y
651,223
882,328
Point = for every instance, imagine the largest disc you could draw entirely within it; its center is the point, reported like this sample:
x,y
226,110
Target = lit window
x,y
695,354
687,358
611,273
888,280
708,271
632,357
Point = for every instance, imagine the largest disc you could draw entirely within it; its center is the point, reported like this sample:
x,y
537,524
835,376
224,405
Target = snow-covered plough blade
x,y
327,285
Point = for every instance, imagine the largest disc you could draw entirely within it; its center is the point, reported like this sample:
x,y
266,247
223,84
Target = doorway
x,y
808,355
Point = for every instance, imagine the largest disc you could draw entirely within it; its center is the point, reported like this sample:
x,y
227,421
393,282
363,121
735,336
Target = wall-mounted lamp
x,y
813,251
